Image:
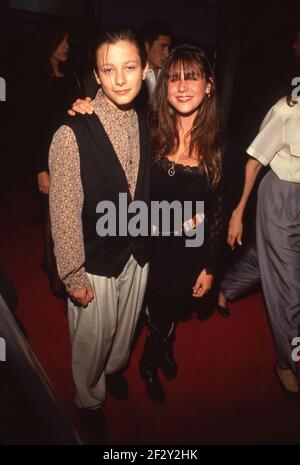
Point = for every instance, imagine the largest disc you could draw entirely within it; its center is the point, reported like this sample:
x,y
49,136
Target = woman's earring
x,y
207,94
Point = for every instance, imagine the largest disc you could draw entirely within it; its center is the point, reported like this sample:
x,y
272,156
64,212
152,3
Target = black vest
x,y
103,178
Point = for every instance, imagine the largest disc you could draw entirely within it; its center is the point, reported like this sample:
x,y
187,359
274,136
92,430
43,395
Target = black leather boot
x,y
167,362
162,352
154,387
149,364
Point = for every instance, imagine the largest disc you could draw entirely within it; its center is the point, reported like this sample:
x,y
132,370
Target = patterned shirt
x,y
66,192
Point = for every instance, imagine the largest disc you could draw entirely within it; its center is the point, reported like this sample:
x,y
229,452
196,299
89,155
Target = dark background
x,y
249,40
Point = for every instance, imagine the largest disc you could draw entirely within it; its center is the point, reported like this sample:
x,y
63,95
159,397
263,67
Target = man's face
x,y
120,72
158,51
296,45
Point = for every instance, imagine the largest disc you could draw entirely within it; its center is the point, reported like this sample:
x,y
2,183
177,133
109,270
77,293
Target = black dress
x,y
174,268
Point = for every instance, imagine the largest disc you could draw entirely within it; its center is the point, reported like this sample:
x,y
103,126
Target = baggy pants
x,y
102,333
275,261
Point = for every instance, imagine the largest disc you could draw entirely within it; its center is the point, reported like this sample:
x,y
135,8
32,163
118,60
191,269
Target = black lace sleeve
x,y
214,230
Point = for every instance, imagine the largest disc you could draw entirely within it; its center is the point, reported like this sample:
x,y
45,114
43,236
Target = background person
x,y
157,37
56,89
276,257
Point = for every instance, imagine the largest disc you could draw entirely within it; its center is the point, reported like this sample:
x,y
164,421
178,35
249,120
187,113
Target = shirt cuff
x,y
253,153
76,281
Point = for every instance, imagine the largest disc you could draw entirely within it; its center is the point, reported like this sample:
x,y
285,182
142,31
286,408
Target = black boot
x,y
166,361
148,366
154,387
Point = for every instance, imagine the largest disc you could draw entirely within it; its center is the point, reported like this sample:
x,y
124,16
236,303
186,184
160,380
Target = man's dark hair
x,y
113,34
153,28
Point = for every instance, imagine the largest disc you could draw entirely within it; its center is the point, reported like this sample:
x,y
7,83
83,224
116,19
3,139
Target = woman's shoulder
x,y
282,107
280,113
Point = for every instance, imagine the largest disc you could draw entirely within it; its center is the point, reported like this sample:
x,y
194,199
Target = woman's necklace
x,y
171,170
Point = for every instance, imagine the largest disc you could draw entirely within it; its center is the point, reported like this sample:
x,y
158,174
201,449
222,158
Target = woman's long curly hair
x,y
163,118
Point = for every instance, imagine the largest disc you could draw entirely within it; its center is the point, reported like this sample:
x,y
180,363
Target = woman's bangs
x,y
190,67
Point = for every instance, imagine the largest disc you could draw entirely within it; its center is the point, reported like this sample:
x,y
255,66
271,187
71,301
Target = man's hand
x,y
82,106
203,284
43,182
235,230
83,296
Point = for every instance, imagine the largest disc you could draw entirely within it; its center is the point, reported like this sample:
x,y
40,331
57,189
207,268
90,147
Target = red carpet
x,y
225,391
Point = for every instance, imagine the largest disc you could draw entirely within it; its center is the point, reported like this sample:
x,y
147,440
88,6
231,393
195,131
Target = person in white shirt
x,y
277,261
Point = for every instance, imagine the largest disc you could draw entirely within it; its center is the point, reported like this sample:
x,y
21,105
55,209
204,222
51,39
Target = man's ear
x,y
145,71
97,78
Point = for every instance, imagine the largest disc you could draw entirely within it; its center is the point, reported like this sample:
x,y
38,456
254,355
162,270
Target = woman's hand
x,y
203,284
82,106
43,182
83,296
235,230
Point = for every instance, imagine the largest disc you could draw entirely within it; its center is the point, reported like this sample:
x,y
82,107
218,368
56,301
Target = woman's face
x,y
62,51
186,91
120,72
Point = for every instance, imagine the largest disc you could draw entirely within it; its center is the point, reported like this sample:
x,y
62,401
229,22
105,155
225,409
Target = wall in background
x,y
190,19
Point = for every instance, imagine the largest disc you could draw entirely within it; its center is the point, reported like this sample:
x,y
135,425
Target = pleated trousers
x,y
102,333
275,261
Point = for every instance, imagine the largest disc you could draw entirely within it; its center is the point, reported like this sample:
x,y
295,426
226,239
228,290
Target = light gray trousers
x,y
102,333
275,261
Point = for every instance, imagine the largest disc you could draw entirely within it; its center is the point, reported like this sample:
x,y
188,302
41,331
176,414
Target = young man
x,y
94,158
158,38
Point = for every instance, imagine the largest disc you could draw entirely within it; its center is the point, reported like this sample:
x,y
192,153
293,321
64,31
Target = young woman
x,y
96,158
276,257
186,166
185,143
